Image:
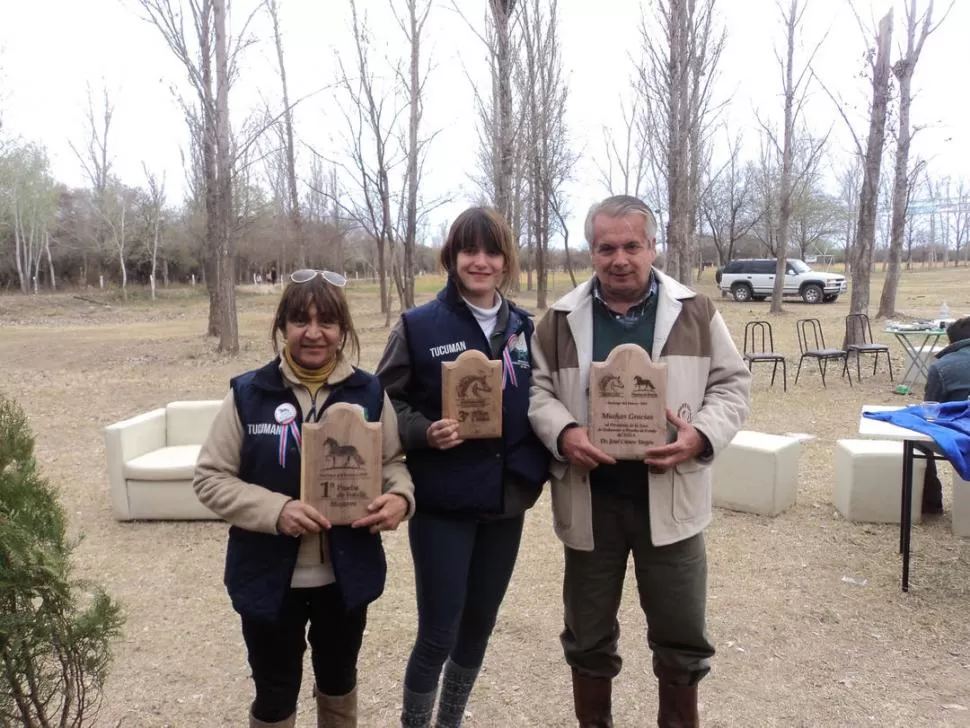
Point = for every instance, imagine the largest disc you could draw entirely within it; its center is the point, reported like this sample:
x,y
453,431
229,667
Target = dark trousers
x,y
671,581
276,649
462,568
932,487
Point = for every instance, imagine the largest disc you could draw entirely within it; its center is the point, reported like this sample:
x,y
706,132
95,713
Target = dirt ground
x,y
805,609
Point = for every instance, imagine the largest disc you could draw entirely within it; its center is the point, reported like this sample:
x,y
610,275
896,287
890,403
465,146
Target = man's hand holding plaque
x,y
341,466
627,404
471,395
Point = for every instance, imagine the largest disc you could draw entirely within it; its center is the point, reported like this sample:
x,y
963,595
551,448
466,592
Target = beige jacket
x,y
256,508
708,384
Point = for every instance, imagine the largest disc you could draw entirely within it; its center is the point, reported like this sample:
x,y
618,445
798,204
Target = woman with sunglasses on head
x,y
285,565
472,495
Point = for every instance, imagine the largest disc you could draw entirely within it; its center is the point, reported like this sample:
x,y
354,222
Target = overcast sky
x,y
50,50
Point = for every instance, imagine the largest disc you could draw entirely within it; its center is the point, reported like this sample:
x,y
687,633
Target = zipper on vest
x,y
313,415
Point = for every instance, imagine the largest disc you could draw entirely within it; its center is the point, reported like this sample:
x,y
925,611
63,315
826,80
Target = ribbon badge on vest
x,y
286,416
508,368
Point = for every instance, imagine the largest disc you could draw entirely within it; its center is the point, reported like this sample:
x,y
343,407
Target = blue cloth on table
x,y
950,430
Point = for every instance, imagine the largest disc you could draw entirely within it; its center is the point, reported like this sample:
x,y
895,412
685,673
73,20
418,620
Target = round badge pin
x,y
285,413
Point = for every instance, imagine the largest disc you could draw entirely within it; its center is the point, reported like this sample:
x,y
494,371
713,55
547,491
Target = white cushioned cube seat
x,y
757,473
868,481
961,506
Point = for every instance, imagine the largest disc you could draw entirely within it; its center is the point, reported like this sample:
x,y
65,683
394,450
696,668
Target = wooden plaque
x,y
341,464
627,403
471,392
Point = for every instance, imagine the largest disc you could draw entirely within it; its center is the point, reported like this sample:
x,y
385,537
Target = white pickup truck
x,y
753,279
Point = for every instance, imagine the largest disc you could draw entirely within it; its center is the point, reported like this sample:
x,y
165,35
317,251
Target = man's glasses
x,y
305,275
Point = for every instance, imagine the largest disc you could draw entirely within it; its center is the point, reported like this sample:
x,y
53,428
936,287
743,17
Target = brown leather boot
x,y
592,697
337,711
678,706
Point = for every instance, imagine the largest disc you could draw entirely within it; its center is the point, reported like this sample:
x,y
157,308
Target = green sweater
x,y
628,477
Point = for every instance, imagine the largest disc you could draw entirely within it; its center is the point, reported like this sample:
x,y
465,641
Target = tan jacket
x,y
256,508
708,384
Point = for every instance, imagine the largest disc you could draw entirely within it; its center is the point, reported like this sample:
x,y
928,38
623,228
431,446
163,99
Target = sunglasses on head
x,y
305,275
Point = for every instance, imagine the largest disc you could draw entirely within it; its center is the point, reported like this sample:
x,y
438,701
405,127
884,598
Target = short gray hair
x,y
621,206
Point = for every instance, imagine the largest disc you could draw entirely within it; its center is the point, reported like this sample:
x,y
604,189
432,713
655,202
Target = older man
x,y
657,509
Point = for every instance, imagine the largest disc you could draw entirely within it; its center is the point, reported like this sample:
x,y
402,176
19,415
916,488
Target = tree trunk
x,y
210,181
20,249
225,254
868,198
502,17
903,70
120,243
678,122
414,122
785,193
293,203
50,263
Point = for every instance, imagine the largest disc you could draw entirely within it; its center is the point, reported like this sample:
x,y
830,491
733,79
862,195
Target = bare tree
x,y
113,209
627,153
850,184
292,198
371,118
903,70
503,18
210,60
794,90
96,163
677,77
154,208
558,209
194,50
412,25
28,196
225,267
868,197
546,148
727,203
960,215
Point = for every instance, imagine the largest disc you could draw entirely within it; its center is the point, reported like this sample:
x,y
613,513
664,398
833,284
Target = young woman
x,y
473,494
285,565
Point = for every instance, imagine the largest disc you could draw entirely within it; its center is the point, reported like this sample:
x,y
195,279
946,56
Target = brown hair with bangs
x,y
481,228
331,304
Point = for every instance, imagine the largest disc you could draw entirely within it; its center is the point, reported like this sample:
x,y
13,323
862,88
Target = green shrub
x,y
55,631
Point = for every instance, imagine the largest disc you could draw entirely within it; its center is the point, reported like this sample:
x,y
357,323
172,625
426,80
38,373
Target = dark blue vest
x,y
259,566
470,478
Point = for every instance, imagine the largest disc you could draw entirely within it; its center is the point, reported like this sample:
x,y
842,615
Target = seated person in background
x,y
948,380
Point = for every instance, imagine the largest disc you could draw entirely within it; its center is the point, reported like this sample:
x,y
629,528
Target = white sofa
x,y
151,462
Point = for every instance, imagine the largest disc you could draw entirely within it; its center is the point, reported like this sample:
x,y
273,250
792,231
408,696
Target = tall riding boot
x,y
417,709
593,698
456,686
285,723
337,711
678,706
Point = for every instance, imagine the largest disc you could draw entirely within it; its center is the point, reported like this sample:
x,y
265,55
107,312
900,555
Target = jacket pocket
x,y
691,496
562,500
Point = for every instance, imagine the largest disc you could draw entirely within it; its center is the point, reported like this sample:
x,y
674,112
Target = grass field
x,y
798,644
